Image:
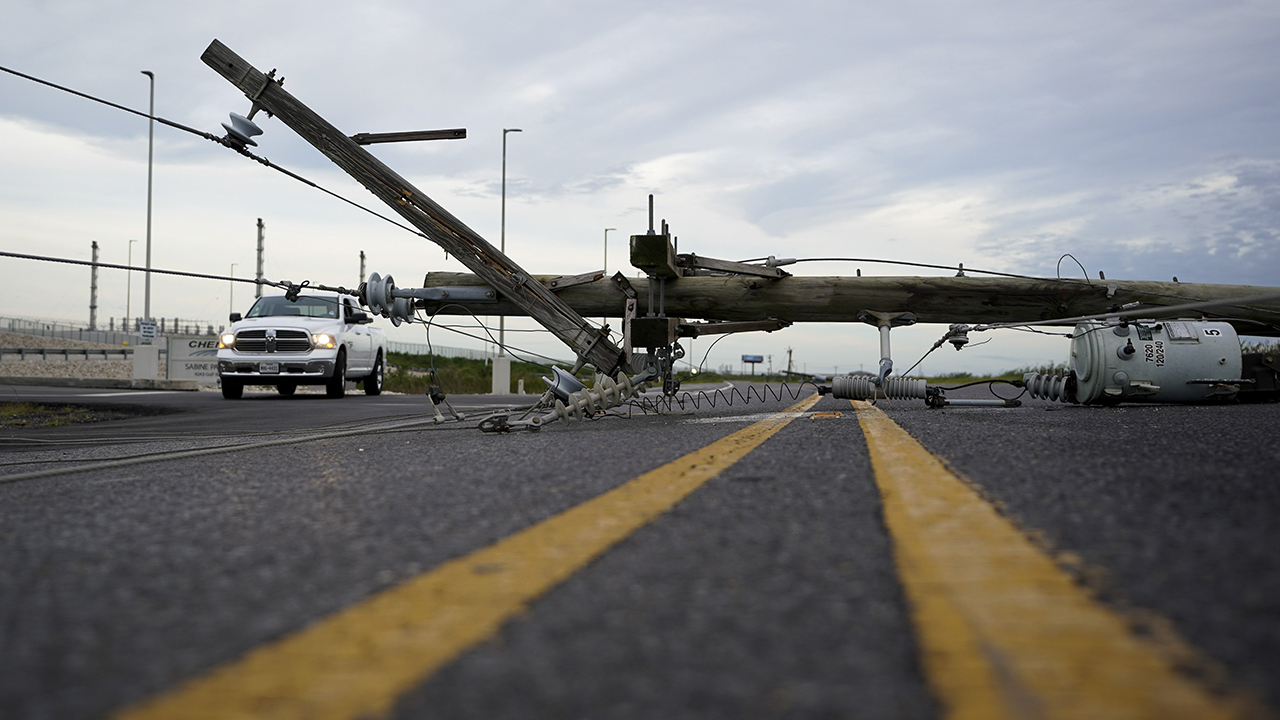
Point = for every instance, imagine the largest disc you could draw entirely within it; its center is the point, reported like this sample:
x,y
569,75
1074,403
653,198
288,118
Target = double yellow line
x,y
357,662
1004,633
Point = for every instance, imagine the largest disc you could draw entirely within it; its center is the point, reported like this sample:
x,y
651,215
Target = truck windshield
x,y
278,306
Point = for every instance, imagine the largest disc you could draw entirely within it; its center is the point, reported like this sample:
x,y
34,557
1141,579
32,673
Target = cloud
x,y
1219,225
1139,137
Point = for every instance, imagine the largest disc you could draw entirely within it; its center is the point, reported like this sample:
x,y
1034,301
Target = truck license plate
x,y
266,368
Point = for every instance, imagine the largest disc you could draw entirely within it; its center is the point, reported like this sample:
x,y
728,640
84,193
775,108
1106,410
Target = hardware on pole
x,y
257,290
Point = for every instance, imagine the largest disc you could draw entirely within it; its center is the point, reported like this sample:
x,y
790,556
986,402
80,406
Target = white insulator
x,y
586,402
1047,387
242,129
863,387
377,294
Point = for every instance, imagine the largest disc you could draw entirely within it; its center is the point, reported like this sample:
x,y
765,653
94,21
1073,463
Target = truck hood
x,y
313,325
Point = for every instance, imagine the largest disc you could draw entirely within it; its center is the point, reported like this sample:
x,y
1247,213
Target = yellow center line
x,y
356,662
1005,632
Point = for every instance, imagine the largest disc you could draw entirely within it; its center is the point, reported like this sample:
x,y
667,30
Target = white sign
x,y
147,329
193,357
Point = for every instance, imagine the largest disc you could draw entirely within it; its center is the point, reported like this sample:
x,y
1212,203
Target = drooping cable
x,y
113,266
219,140
287,285
1073,257
923,265
431,323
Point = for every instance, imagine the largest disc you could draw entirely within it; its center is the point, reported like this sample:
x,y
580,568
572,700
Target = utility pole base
x,y
146,362
502,375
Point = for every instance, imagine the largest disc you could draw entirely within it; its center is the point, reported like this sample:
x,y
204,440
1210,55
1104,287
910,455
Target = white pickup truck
x,y
318,339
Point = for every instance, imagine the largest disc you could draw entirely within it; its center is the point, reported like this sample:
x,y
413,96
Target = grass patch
x,y
460,376
1268,347
716,377
30,415
474,377
457,376
959,378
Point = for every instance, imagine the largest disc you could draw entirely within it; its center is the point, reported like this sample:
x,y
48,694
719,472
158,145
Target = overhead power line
x,y
212,138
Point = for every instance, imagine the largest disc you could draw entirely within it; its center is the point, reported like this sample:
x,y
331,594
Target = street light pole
x,y
605,321
151,139
502,242
606,249
128,288
231,304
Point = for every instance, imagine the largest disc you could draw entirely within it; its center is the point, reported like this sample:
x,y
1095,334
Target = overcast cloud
x,y
1141,137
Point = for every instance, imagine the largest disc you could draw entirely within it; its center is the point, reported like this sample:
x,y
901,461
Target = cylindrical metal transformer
x,y
1155,361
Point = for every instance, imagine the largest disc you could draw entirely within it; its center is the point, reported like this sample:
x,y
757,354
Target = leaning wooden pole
x,y
433,221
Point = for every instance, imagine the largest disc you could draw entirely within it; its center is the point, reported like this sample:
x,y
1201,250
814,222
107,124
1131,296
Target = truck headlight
x,y
228,340
323,340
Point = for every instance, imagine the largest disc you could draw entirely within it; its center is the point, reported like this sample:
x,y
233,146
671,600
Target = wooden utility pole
x,y
931,299
435,223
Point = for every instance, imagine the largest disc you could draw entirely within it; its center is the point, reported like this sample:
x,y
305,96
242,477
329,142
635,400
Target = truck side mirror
x,y
235,317
359,317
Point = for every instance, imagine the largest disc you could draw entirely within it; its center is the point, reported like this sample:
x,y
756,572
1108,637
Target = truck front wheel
x,y
337,385
232,389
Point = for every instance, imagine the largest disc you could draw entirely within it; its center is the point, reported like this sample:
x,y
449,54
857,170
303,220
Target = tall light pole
x,y
606,249
231,304
605,321
151,143
128,288
502,319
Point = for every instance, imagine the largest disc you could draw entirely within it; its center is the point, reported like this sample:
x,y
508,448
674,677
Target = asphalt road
x,y
773,589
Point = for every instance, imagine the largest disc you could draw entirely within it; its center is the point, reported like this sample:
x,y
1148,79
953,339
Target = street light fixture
x,y
128,288
502,319
151,139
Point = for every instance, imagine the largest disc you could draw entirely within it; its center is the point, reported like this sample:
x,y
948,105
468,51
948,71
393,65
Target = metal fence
x,y
122,353
112,336
439,350
116,337
453,352
66,331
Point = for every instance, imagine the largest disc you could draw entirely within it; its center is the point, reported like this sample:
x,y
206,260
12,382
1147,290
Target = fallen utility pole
x,y
931,299
493,267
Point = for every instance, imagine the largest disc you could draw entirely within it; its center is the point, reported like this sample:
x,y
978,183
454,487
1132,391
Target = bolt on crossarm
x,y
433,221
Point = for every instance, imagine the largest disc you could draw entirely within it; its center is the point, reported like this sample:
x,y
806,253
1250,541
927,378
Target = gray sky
x,y
1141,137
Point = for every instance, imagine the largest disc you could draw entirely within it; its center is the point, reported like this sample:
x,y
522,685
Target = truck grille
x,y
286,341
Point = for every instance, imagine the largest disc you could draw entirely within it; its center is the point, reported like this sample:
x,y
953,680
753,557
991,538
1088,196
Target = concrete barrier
x,y
115,383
